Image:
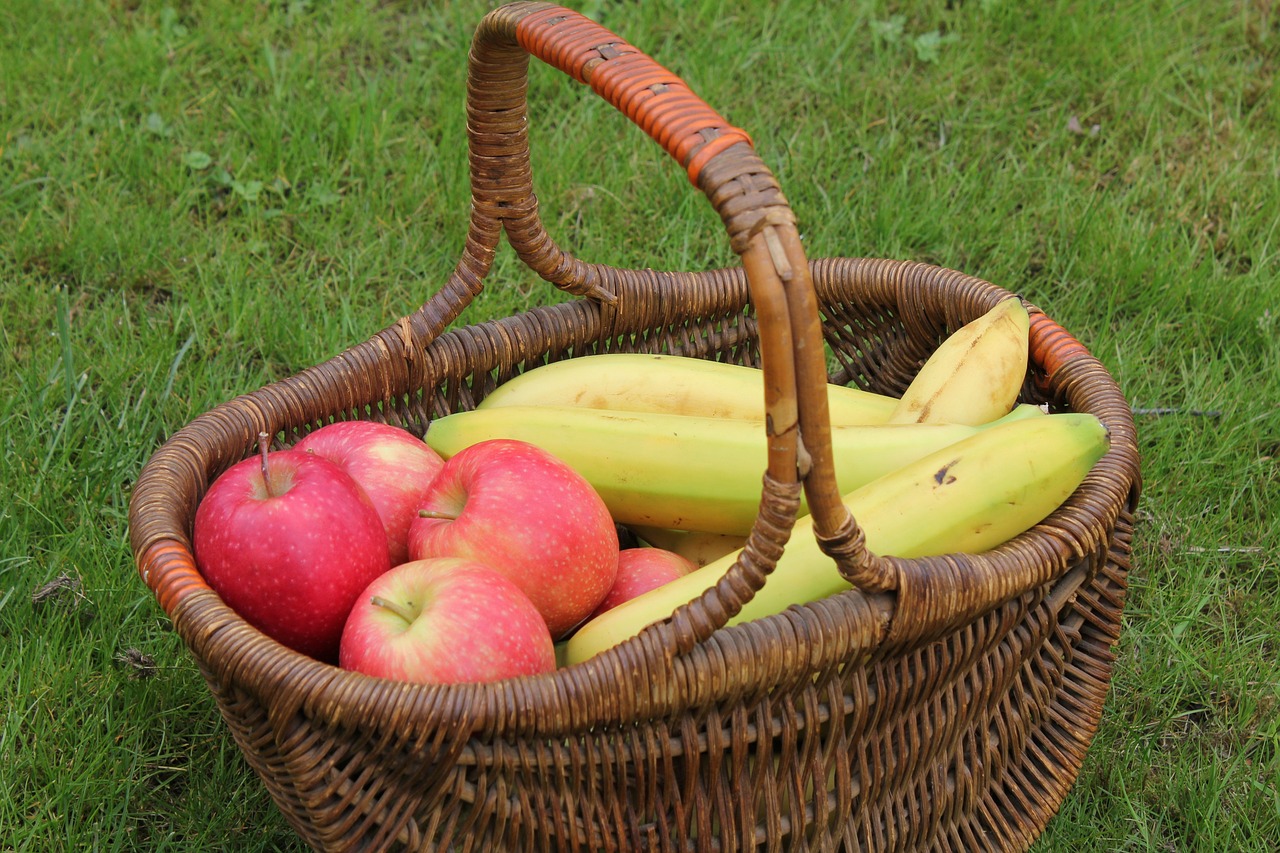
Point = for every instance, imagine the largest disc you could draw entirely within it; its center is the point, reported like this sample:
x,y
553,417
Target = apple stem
x,y
394,606
431,513
263,446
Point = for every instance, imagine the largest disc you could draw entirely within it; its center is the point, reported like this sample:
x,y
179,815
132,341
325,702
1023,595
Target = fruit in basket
x,y
671,384
970,497
975,374
392,465
445,621
289,540
517,508
640,570
681,471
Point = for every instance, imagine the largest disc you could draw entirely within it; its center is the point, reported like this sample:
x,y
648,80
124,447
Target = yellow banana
x,y
975,375
681,471
678,385
968,497
701,547
697,546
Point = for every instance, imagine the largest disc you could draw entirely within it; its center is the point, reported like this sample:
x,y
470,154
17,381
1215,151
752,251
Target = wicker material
x,y
945,704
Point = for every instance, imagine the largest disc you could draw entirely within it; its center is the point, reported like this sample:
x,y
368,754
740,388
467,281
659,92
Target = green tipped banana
x,y
681,471
670,384
969,497
975,375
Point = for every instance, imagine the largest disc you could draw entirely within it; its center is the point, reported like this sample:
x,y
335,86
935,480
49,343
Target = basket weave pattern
x,y
945,703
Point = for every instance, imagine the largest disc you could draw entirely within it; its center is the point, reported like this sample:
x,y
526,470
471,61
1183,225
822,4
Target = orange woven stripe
x,y
170,571
658,101
576,41
1051,345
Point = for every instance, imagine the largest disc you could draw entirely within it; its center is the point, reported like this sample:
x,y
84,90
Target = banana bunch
x,y
968,497
688,472
676,448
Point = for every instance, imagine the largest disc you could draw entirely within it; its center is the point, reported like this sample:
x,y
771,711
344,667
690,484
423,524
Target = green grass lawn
x,y
199,198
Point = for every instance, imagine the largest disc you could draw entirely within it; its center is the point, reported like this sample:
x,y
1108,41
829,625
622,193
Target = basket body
x,y
941,704
807,730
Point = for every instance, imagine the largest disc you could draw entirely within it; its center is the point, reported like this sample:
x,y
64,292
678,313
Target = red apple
x,y
445,621
515,507
640,570
289,540
392,466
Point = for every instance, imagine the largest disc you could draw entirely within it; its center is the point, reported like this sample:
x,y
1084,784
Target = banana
x,y
975,375
697,546
1019,412
678,385
968,497
681,471
702,547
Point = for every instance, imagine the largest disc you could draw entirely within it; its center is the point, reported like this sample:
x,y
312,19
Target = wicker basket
x,y
945,704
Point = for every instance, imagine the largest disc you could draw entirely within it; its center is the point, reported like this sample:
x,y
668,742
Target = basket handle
x,y
721,162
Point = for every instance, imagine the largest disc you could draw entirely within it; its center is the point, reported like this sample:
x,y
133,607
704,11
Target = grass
x,y
196,199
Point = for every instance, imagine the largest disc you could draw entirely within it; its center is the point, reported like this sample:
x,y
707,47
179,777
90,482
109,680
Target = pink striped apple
x,y
445,621
393,466
289,540
641,570
515,507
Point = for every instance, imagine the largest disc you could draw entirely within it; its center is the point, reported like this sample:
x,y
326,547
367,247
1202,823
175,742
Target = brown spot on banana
x,y
943,475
